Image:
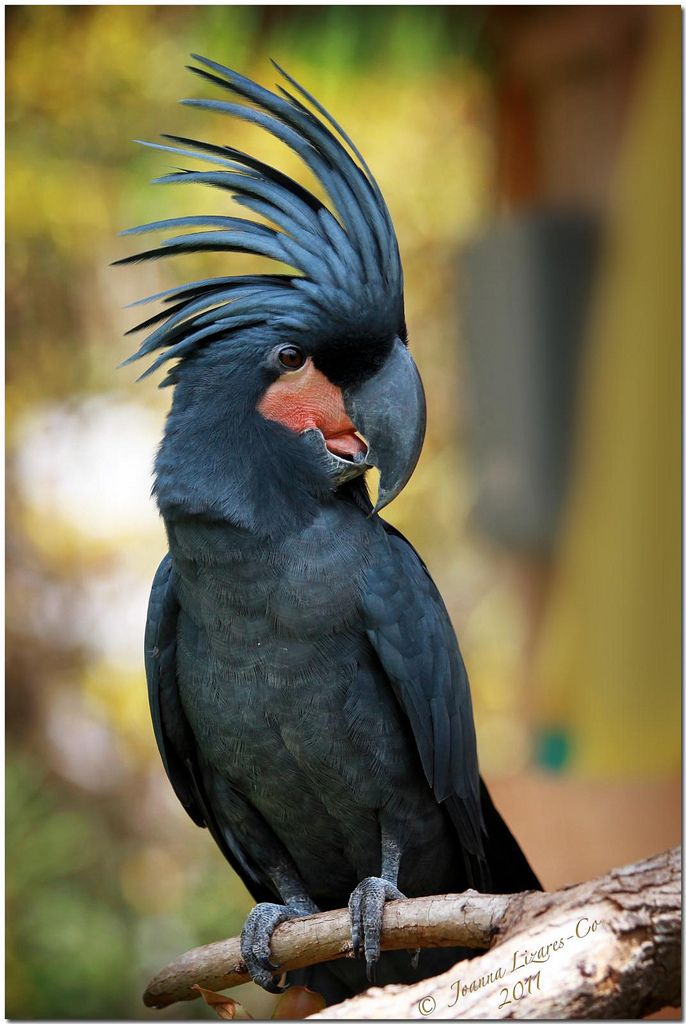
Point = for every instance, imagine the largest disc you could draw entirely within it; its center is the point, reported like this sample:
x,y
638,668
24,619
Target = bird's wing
x,y
409,628
175,739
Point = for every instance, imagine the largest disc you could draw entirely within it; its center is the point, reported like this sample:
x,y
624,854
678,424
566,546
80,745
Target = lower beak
x,y
389,410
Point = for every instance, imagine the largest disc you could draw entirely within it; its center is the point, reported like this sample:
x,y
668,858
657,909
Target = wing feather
x,y
175,739
410,630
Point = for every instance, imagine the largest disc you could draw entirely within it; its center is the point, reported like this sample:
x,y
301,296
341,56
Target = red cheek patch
x,y
305,399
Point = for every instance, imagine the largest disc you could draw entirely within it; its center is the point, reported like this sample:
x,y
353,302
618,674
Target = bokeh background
x,y
531,161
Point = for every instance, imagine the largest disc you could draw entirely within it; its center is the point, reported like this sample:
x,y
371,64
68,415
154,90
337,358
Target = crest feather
x,y
348,272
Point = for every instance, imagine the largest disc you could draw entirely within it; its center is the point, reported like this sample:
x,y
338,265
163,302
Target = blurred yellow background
x,y
480,124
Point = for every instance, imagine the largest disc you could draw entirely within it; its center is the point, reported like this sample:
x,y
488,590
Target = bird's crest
x,y
349,279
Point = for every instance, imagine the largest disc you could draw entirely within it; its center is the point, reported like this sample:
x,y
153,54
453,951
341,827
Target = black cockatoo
x,y
307,691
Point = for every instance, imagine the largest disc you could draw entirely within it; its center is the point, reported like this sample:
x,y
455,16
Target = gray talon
x,y
256,936
366,906
266,981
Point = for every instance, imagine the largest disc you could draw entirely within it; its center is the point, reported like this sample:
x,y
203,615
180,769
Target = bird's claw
x,y
366,906
256,935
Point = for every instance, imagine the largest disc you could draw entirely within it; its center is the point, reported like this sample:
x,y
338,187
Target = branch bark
x,y
606,948
470,919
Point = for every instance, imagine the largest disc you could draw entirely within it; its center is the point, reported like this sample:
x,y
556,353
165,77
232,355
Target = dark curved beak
x,y
389,410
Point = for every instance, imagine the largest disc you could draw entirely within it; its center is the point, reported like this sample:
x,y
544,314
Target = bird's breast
x,y
270,613
286,699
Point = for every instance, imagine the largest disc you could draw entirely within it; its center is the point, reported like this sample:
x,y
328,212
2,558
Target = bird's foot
x,y
256,936
366,906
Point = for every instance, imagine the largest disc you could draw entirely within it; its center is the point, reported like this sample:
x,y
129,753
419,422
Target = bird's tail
x,y
509,869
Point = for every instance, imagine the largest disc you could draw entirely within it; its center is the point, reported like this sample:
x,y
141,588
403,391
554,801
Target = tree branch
x,y
606,948
610,948
470,919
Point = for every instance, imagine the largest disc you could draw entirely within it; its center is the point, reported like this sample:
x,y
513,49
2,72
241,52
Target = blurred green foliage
x,y
106,877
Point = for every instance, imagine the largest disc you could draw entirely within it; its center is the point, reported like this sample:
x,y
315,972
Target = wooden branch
x,y
607,948
470,919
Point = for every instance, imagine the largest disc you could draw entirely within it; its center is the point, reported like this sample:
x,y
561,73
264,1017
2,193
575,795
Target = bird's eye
x,y
291,357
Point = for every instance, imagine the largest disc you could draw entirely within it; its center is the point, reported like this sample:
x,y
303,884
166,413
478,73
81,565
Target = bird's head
x,y
286,385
